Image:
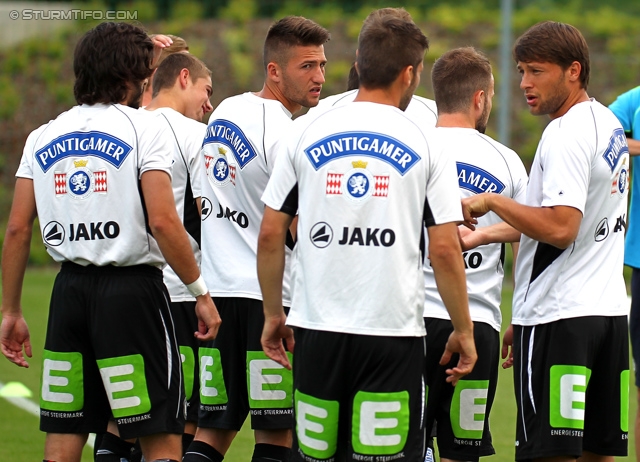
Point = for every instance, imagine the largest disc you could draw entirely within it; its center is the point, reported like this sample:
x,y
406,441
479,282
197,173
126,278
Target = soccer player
x,y
422,110
236,376
99,179
182,90
626,107
569,325
363,178
463,85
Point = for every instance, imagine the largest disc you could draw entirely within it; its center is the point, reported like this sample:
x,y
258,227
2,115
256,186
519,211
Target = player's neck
x,y
379,95
165,99
457,119
274,92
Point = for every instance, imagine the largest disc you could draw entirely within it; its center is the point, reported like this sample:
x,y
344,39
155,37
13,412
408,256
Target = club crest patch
x,y
80,182
357,184
219,169
620,183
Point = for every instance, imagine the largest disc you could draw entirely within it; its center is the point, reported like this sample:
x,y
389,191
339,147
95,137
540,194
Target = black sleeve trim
x,y
290,205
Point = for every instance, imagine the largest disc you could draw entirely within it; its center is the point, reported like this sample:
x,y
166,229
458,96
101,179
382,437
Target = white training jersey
x,y
238,156
364,176
422,110
582,161
483,165
86,166
187,135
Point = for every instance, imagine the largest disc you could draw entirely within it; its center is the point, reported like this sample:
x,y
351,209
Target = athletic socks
x,y
112,449
199,451
187,439
270,453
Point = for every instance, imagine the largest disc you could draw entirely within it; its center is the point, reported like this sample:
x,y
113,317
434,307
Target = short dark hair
x,y
387,44
288,32
557,43
109,60
168,71
456,76
353,81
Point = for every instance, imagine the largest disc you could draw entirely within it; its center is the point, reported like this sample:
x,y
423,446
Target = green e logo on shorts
x,y
188,367
624,401
212,389
270,385
380,422
468,409
62,382
316,425
567,392
126,385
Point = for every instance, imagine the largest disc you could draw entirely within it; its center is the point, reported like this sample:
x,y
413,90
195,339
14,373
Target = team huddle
x,y
336,277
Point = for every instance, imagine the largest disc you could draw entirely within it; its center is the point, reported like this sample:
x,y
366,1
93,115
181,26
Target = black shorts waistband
x,y
135,270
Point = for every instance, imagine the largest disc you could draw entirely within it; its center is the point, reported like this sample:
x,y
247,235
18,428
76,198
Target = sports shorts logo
x,y
53,234
602,230
80,182
206,208
357,184
321,235
219,169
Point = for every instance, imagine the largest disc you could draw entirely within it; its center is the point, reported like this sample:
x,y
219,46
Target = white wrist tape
x,y
198,287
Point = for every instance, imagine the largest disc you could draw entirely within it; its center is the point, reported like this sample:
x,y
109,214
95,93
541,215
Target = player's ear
x,y
184,78
479,100
274,72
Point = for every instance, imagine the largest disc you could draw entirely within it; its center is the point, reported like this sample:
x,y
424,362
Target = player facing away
x,y
422,110
463,84
363,178
109,319
569,327
182,90
237,378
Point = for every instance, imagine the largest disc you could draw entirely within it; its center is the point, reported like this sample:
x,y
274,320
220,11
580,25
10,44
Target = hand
x,y
14,336
463,344
159,43
469,239
474,207
208,318
273,333
507,341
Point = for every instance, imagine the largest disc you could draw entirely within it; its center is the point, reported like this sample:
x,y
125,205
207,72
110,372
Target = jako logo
x,y
321,235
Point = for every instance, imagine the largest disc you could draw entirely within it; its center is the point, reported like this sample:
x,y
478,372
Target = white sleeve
x,y
155,147
566,170
520,180
280,191
443,193
25,168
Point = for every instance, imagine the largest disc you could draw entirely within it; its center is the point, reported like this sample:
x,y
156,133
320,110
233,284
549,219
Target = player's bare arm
x,y
14,332
172,238
271,253
500,232
448,268
557,226
634,146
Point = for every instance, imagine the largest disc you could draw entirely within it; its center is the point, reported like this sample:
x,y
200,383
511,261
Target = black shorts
x,y
186,322
634,322
110,328
571,379
238,378
461,413
358,397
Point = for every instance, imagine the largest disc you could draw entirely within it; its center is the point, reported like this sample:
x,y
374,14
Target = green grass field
x,y
20,439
